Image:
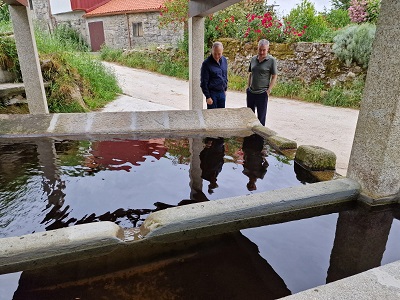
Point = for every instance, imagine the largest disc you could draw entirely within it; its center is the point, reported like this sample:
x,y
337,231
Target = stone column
x,y
196,57
375,156
29,59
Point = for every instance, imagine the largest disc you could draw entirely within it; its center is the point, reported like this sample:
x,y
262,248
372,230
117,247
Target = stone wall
x,y
42,14
303,61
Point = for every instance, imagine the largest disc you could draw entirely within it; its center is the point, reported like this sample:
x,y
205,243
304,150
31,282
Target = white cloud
x,y
285,6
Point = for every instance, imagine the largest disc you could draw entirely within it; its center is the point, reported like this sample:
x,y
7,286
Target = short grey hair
x,y
263,42
217,44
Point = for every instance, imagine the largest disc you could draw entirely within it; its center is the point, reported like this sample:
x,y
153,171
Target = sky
x,y
285,6
58,6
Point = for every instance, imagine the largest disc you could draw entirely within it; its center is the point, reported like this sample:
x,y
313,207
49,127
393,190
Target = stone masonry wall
x,y
118,34
303,61
42,14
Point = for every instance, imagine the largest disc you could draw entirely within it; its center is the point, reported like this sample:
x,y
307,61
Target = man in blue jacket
x,y
214,77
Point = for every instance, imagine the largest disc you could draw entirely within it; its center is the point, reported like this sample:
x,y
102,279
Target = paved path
x,y
306,123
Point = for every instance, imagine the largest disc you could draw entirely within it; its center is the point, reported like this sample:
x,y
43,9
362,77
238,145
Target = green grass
x,y
341,95
70,70
175,65
5,28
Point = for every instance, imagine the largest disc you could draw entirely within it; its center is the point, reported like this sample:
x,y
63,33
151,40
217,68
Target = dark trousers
x,y
259,101
218,100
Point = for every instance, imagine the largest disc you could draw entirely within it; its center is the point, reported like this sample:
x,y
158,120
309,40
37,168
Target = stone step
x,y
11,89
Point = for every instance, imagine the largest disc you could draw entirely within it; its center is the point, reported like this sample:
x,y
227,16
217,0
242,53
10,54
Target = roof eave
x,y
121,13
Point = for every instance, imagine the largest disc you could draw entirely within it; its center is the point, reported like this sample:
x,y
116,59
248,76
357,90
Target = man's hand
x,y
209,101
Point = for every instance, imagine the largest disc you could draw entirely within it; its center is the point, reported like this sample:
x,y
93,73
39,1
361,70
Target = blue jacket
x,y
214,76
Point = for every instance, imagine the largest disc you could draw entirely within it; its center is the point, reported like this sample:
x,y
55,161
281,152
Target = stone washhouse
x,y
373,176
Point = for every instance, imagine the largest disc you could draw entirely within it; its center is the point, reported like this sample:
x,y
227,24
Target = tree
x,y
173,13
341,4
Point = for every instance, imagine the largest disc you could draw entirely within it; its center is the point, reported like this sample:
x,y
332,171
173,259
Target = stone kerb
x,y
315,158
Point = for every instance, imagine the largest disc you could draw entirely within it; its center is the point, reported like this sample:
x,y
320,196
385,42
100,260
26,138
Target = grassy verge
x,y
173,64
79,82
346,95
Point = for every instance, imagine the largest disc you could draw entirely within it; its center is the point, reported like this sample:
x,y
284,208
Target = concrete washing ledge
x,y
231,214
242,120
187,222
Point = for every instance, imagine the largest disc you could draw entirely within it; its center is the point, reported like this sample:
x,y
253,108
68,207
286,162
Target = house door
x,y
96,33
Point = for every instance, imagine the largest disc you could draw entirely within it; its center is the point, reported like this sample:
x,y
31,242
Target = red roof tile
x,y
115,7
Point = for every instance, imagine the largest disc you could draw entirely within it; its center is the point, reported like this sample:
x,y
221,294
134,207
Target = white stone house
x,y
127,24
121,24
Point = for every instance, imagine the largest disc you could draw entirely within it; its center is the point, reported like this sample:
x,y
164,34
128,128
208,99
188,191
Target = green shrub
x,y
69,36
9,57
354,44
110,54
304,16
4,12
337,18
373,10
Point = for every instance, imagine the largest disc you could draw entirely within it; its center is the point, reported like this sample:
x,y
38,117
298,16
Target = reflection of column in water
x,y
196,182
360,242
52,184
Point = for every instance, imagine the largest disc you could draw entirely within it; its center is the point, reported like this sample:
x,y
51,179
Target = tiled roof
x,y
115,7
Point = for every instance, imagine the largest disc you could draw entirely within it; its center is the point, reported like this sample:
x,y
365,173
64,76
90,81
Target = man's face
x,y
217,53
263,51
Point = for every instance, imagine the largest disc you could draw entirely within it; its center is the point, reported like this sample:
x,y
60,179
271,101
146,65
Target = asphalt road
x,y
306,123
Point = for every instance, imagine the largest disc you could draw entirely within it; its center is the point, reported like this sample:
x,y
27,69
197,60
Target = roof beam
x,y
17,2
202,8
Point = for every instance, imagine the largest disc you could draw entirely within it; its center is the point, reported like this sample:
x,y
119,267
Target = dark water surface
x,y
49,184
55,184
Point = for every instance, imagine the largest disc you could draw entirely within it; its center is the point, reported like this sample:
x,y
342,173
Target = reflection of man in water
x,y
212,160
255,165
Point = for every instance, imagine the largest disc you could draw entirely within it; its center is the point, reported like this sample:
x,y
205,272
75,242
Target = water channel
x,y
53,183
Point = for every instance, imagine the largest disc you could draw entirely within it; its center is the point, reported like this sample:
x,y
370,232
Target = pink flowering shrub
x,y
361,11
358,11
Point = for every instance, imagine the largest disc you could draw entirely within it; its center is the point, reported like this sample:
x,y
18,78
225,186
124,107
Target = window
x,y
137,29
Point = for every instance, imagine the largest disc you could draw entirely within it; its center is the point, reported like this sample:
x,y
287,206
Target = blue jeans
x,y
259,101
218,100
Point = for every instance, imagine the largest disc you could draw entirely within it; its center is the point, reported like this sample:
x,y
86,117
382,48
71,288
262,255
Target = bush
x,y
337,18
4,12
303,18
361,11
354,44
9,58
71,37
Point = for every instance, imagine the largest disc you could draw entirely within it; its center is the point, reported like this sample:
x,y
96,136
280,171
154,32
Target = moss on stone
x,y
315,158
282,143
281,51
